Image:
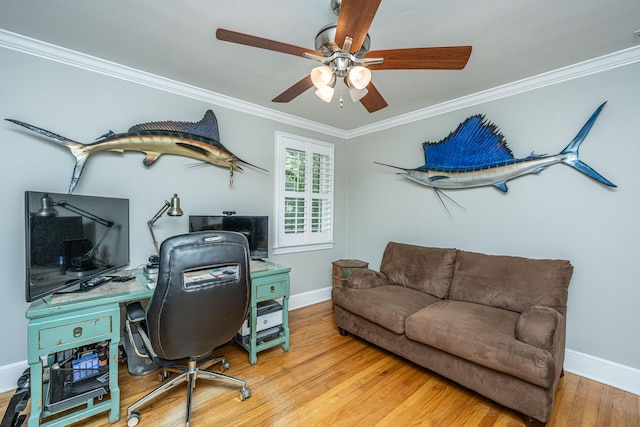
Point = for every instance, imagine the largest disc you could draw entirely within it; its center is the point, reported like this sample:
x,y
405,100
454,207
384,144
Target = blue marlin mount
x,y
476,155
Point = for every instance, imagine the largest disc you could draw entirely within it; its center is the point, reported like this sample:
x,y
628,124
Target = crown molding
x,y
62,55
581,69
55,53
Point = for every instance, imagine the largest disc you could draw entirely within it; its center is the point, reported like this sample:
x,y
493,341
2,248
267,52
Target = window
x,y
304,194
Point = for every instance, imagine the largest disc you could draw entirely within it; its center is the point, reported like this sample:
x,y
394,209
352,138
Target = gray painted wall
x,y
559,213
82,105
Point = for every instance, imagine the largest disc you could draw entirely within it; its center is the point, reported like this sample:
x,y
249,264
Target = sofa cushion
x,y
538,326
417,267
512,283
483,335
364,278
387,306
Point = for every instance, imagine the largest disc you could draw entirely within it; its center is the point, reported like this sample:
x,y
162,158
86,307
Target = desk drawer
x,y
64,335
271,290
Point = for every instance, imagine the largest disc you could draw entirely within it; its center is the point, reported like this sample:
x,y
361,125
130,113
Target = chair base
x,y
188,374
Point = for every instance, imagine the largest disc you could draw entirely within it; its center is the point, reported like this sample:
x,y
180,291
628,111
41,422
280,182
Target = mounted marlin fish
x,y
476,155
199,141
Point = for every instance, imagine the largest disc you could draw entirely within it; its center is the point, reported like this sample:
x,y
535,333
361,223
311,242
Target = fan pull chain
x,y
341,99
230,177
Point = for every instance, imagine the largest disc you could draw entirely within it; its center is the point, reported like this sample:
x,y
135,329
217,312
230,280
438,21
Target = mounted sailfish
x,y
200,141
476,154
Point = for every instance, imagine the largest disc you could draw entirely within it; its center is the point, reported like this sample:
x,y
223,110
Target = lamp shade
x,y
357,94
359,76
47,208
174,209
321,76
325,93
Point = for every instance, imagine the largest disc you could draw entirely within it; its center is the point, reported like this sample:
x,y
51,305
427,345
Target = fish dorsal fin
x,y
206,128
474,144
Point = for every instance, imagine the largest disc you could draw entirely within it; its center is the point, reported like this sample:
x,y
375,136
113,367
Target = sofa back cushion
x,y
417,267
512,283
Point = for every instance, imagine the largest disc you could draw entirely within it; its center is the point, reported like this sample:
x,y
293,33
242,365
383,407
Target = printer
x,y
268,325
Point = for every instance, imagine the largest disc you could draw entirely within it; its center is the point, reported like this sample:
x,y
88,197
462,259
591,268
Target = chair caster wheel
x,y
224,365
245,393
163,375
133,419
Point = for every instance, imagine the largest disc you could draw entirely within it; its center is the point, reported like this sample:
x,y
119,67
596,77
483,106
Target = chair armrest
x,y
538,326
364,278
135,319
135,312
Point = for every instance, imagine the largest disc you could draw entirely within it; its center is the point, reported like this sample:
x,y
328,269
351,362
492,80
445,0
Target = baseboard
x,y
9,375
309,298
603,371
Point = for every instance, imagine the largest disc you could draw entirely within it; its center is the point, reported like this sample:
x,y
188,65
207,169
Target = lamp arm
x,y
108,224
153,220
84,213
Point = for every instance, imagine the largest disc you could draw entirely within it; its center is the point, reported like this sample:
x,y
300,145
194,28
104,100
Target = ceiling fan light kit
x,y
352,62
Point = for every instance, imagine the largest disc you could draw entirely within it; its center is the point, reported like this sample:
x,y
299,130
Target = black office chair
x,y
199,303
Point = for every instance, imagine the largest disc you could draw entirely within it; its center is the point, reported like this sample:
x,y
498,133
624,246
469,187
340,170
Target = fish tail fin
x,y
78,149
570,152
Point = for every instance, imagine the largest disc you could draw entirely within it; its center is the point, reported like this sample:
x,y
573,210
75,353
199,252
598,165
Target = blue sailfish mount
x,y
476,154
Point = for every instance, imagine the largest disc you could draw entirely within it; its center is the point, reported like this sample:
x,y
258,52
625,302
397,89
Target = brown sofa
x,y
494,324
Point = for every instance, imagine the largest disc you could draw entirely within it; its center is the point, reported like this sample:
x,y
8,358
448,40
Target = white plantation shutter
x,y
304,194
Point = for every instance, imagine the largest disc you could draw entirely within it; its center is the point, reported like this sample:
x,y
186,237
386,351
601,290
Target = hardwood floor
x,y
330,380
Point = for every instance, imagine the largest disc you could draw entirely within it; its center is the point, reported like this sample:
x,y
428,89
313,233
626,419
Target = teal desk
x,y
67,321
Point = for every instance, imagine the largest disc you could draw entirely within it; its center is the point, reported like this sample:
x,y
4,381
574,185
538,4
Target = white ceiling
x,y
512,40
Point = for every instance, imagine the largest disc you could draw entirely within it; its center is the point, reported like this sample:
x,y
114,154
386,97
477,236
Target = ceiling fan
x,y
343,50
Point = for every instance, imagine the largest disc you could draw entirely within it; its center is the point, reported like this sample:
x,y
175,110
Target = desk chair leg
x,y
190,375
133,416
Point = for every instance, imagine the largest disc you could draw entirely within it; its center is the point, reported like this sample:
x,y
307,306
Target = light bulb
x,y
359,76
321,76
325,93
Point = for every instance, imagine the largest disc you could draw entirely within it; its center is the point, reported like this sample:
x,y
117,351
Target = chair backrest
x,y
202,293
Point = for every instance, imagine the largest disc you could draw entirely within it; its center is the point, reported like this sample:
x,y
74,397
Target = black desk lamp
x,y
172,209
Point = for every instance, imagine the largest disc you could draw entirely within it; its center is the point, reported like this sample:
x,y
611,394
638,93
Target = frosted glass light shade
x,y
321,76
359,76
325,93
357,94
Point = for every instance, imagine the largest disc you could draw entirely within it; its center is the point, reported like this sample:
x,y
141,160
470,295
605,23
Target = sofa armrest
x,y
538,326
364,278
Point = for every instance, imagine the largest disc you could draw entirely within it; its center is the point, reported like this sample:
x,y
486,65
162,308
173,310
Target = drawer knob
x,y
273,289
77,332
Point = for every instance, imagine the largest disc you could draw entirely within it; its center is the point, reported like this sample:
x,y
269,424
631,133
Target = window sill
x,y
302,248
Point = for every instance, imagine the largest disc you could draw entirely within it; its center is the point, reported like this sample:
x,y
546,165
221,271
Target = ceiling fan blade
x,y
295,90
262,43
373,101
422,58
354,21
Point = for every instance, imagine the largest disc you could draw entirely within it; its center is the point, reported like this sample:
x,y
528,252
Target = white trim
x,y
309,298
62,55
581,69
51,52
603,371
9,375
302,248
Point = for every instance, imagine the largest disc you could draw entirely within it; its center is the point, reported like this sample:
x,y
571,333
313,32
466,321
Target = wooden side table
x,y
342,268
